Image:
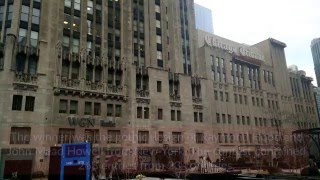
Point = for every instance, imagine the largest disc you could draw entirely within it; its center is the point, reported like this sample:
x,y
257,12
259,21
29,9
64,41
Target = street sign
x,y
76,155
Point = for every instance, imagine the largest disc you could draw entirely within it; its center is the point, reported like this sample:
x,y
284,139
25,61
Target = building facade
x,y
135,77
315,49
203,18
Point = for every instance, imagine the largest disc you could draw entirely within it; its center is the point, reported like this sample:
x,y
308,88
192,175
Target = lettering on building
x,y
82,122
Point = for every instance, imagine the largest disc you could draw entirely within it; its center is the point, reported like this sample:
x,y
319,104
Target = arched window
x,y
33,65
20,62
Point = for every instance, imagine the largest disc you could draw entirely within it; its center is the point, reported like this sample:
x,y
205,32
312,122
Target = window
x,y
160,136
225,138
240,138
248,120
22,40
160,114
231,138
245,99
143,137
229,119
10,12
158,24
73,107
91,135
223,118
256,121
235,98
221,96
118,111
35,16
17,103
216,95
63,106
173,115
76,4
87,108
243,120
24,16
34,39
76,45
110,110
139,112
65,135
159,39
200,117
29,106
218,117
220,137
97,109
178,115
240,98
114,136
158,86
90,7
199,138
253,101
176,137
195,116
245,138
20,135
146,113
67,3
238,120
227,97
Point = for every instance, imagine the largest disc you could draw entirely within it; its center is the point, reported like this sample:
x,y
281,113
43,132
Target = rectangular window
x,y
73,107
245,99
220,137
160,114
158,86
218,117
199,138
63,106
29,105
97,109
110,110
114,136
139,112
221,96
20,135
256,121
238,120
160,136
216,95
195,116
243,120
77,5
240,138
231,138
91,135
229,119
235,98
225,138
200,117
143,137
248,120
245,138
227,97
178,115
176,137
173,115
66,135
17,102
146,113
253,101
24,16
87,108
118,110
223,118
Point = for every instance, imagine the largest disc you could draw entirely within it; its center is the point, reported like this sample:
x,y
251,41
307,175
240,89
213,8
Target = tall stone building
x,y
134,77
315,49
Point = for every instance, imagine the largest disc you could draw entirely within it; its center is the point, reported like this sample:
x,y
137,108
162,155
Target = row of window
x,y
17,103
245,120
247,138
268,77
300,108
306,125
221,96
90,108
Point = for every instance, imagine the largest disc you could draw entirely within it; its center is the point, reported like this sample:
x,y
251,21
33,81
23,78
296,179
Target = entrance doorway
x,y
22,168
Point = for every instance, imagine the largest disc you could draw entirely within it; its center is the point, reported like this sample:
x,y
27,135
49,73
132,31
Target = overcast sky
x,y
294,22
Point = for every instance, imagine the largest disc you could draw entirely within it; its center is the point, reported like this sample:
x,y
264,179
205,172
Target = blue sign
x,y
76,155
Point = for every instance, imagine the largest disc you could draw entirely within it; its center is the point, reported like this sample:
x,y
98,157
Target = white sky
x,y
294,22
